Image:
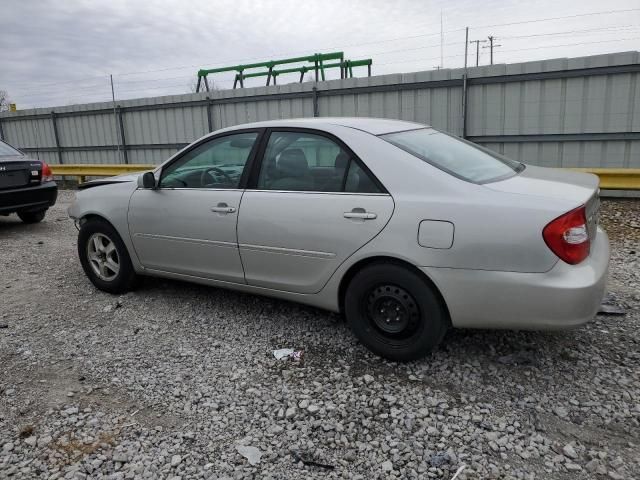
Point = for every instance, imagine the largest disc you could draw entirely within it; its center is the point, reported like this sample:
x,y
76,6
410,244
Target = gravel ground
x,y
173,380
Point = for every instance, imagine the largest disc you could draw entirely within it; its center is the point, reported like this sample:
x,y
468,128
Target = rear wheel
x,y
395,312
104,257
32,217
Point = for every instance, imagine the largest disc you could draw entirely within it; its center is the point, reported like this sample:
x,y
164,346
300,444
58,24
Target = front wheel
x,y
395,312
32,217
104,257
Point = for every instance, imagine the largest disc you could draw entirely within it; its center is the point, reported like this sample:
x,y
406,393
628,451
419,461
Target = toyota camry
x,y
405,230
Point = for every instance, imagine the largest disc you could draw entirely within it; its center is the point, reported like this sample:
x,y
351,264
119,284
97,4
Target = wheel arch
x,y
382,259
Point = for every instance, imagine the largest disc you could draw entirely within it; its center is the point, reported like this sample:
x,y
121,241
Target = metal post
x,y
464,85
115,116
441,42
209,114
491,48
198,85
1,131
125,156
56,137
206,84
316,112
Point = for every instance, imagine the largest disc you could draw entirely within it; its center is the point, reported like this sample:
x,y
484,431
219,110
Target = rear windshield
x,y
458,157
6,150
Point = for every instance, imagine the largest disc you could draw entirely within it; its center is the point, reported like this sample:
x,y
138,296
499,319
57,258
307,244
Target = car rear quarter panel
x,y
493,230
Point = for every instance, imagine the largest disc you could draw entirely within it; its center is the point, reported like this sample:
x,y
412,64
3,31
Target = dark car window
x,y
302,161
458,157
218,163
8,151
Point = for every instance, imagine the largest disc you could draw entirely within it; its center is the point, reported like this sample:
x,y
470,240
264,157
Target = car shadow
x,y
508,348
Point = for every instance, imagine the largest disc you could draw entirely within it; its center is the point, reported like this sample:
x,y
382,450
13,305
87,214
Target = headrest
x,y
293,163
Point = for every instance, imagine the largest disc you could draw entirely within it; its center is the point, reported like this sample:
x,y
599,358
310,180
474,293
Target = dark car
x,y
26,185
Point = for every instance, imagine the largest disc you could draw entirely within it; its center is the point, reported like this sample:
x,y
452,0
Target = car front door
x,y
188,224
312,206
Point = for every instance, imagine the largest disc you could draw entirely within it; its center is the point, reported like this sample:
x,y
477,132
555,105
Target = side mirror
x,y
147,180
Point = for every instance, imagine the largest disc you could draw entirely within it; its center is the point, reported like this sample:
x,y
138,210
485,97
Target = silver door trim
x,y
311,192
187,240
288,251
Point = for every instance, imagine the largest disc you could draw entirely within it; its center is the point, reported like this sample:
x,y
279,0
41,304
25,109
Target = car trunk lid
x,y
568,187
18,172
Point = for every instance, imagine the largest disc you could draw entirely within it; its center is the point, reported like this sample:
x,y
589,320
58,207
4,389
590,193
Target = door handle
x,y
223,208
361,214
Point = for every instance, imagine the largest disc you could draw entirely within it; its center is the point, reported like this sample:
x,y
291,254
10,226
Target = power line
x,y
606,12
105,76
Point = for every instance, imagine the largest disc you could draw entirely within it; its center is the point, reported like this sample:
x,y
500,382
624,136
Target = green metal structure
x,y
316,63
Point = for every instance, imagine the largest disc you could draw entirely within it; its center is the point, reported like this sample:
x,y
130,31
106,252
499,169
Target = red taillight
x,y
47,174
567,236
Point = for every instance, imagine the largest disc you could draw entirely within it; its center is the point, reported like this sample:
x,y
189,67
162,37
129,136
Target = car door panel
x,y
187,224
294,241
187,231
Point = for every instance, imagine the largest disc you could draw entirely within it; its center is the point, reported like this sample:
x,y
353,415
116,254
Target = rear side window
x,y
7,151
458,157
305,162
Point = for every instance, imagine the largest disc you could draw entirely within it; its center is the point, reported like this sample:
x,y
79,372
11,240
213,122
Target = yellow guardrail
x,y
615,178
97,170
610,178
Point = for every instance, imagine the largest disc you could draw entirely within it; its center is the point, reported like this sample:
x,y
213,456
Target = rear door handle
x,y
223,208
360,213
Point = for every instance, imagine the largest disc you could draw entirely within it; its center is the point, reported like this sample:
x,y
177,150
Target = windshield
x,y
7,151
458,157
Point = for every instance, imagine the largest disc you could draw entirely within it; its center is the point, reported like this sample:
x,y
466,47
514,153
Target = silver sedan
x,y
405,230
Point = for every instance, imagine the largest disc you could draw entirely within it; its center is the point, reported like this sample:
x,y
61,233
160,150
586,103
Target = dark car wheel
x,y
395,312
32,217
104,257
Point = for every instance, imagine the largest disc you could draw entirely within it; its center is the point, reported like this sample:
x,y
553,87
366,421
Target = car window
x,y
218,163
458,157
8,151
359,181
302,161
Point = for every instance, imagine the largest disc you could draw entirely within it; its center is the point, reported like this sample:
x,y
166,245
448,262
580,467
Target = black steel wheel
x,y
395,311
32,217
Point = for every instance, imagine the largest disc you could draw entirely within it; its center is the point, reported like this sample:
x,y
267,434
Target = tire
x,y
419,319
32,217
101,250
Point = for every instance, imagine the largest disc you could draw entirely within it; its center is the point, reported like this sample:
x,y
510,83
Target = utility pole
x,y
478,42
464,83
115,117
492,46
441,41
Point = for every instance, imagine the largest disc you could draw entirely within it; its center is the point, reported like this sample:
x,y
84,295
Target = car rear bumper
x,y
564,297
28,199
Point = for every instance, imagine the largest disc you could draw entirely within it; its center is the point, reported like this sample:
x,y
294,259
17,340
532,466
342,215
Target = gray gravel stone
x,y
181,371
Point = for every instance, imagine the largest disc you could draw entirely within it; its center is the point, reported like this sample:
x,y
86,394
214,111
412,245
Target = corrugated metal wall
x,y
579,112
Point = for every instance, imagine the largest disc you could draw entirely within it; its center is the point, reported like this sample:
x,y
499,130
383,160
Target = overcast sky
x,y
62,52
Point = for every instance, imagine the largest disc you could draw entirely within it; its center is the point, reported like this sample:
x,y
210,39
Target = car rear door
x,y
312,205
188,224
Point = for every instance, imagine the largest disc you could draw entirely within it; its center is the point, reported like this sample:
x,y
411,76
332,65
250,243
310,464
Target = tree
x,y
193,85
4,101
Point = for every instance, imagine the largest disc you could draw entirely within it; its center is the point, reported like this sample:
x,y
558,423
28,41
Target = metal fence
x,y
577,112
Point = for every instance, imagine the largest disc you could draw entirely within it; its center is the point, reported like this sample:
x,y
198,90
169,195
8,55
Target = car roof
x,y
375,126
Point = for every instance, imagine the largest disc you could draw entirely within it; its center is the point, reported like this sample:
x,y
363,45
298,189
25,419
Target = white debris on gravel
x,y
171,381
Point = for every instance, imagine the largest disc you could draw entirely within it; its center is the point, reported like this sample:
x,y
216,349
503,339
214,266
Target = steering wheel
x,y
218,171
